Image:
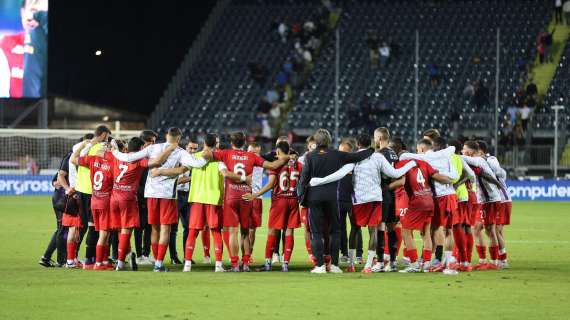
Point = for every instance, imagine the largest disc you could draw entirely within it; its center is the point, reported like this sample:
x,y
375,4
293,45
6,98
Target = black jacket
x,y
320,163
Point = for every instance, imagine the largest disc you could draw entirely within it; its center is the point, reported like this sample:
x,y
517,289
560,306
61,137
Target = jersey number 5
x,y
285,181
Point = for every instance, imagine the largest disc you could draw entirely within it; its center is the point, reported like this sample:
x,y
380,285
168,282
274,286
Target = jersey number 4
x,y
420,178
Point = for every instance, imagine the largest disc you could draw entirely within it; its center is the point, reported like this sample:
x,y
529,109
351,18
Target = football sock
x,y
120,264
206,242
190,244
218,244
393,245
503,254
426,255
351,255
289,243
469,247
481,251
154,247
380,244
161,252
99,253
448,255
106,254
71,251
438,252
234,261
245,259
124,243
269,246
412,254
399,238
370,258
459,238
91,245
494,253
386,243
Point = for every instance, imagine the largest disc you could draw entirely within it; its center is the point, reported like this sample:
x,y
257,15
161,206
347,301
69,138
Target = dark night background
x,y
143,43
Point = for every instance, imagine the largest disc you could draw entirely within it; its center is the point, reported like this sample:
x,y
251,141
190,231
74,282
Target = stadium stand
x,y
219,94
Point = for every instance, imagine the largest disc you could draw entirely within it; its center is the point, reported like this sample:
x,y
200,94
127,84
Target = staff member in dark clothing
x,y
389,217
322,200
345,191
142,234
59,238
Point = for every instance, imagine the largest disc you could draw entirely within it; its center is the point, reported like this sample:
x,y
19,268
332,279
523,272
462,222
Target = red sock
x,y
308,246
327,259
106,253
469,247
503,256
161,252
206,242
124,243
234,261
426,254
245,259
399,238
99,253
269,245
386,246
289,243
154,247
459,238
190,244
412,254
455,252
71,250
481,251
218,244
226,237
494,252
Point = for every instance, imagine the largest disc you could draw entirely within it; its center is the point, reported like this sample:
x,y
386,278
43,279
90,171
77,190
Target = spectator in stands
x,y
469,90
384,54
434,75
518,135
566,9
283,31
512,113
525,116
372,43
540,48
264,106
531,89
481,97
281,78
558,11
546,40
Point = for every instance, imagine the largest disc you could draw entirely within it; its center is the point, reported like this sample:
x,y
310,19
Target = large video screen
x,y
23,48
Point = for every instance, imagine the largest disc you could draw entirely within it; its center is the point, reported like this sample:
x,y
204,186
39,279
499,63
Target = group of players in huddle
x,y
450,194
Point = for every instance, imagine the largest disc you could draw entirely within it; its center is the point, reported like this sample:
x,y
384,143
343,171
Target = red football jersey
x,y
287,177
101,170
126,178
418,185
239,162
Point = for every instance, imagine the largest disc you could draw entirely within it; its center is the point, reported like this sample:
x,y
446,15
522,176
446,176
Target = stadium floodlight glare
x,y
556,109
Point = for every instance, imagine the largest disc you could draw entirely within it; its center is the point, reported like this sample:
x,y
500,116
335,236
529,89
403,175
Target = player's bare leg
x,y
438,242
244,233
448,247
372,248
251,240
410,251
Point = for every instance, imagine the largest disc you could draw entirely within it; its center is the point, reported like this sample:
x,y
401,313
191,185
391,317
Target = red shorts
x,y
124,214
257,213
71,221
204,214
505,213
445,209
162,211
490,212
284,214
102,219
401,204
416,220
463,211
367,214
237,212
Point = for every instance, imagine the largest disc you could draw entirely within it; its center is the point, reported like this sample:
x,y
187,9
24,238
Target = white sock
x,y
70,261
219,264
120,264
369,258
448,255
188,263
158,263
503,251
351,255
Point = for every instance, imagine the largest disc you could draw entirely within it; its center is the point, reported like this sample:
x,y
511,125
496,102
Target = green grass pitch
x,y
536,287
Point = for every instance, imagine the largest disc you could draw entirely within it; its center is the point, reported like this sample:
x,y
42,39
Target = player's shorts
x,y
463,212
162,211
284,214
401,205
71,221
236,213
505,213
102,219
445,208
416,220
367,214
202,215
124,214
257,213
490,212
389,214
